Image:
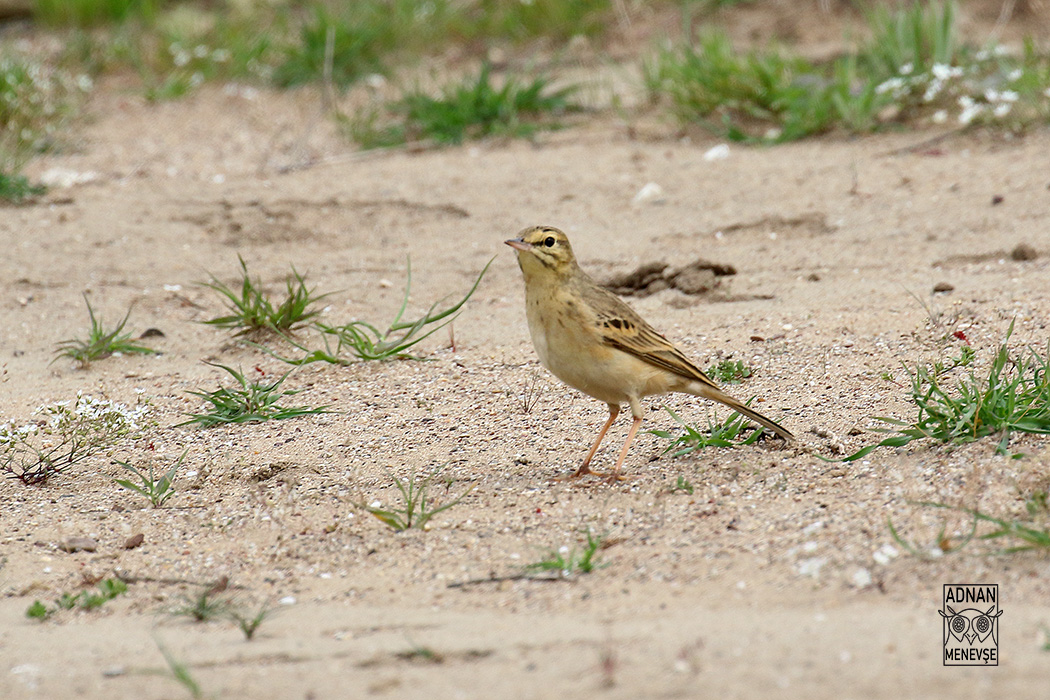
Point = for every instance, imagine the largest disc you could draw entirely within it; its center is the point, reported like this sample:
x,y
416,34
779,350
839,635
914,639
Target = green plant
x,y
681,484
729,372
108,589
763,95
1030,537
249,625
252,311
568,561
101,343
554,20
415,511
340,47
180,673
204,606
34,103
1014,396
87,13
475,108
724,434
156,490
364,342
17,188
248,402
65,434
918,35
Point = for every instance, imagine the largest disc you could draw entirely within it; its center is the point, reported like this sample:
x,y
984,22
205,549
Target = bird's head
x,y
543,250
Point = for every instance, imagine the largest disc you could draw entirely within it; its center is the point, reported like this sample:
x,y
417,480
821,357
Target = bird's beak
x,y
518,244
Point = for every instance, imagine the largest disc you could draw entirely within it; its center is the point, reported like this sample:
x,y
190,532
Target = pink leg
x,y
615,475
585,468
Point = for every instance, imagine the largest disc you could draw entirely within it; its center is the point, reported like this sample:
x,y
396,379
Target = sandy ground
x,y
776,577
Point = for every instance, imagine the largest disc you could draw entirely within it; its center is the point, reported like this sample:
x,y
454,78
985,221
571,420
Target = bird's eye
x,y
549,241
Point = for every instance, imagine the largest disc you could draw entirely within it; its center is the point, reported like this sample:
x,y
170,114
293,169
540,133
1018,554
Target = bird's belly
x,y
607,374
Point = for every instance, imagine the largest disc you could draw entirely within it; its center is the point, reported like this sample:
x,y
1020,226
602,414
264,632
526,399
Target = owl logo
x,y
970,626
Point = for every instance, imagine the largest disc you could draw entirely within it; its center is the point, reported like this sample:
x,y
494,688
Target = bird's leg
x,y
615,475
585,468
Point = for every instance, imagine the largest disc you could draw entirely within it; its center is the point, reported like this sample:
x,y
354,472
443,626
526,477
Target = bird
x,y
590,339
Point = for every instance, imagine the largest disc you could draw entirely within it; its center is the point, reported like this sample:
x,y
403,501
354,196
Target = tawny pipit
x,y
594,342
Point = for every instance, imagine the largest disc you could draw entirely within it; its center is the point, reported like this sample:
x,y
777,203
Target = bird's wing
x,y
622,328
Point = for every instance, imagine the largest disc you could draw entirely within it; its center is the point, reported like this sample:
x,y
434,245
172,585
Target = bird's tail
x,y
716,394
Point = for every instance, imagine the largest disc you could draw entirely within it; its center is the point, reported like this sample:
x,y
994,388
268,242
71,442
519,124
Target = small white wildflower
x,y
941,71
1046,92
891,85
200,51
1008,96
1001,110
940,116
85,83
932,90
196,79
907,68
1014,75
221,55
969,113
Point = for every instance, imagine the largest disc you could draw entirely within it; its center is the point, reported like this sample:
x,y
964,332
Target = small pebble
x,y
651,193
997,199
942,288
78,544
134,541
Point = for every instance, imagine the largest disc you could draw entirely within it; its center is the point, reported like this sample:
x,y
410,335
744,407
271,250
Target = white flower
x,y
907,68
891,85
940,116
1001,110
1014,75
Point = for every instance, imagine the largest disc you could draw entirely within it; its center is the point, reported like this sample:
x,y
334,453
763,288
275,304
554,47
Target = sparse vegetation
x,y
180,673
359,341
416,509
570,561
913,70
249,625
107,590
34,103
470,109
729,372
1020,536
65,434
247,402
251,310
156,490
725,434
1013,396
205,606
16,189
101,343
682,485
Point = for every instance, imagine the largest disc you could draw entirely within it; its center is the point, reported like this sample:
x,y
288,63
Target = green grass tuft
x,y
360,341
725,434
247,402
17,188
156,490
568,562
415,510
1013,396
251,311
101,343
